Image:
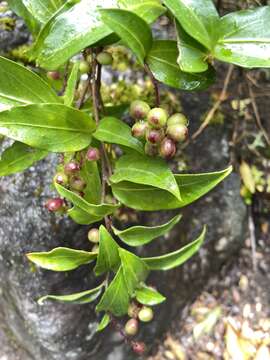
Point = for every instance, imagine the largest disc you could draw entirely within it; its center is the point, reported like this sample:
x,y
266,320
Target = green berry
x,y
177,119
139,109
178,133
150,149
104,58
154,136
132,327
93,235
157,118
133,310
61,178
84,67
95,248
77,184
146,314
167,149
139,129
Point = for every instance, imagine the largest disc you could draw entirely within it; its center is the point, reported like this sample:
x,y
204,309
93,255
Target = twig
x,y
61,92
251,227
155,84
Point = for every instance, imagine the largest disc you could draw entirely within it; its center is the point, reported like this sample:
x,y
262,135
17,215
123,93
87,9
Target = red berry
x,y
93,154
132,327
54,205
53,75
157,118
177,132
139,347
167,148
139,109
154,136
71,168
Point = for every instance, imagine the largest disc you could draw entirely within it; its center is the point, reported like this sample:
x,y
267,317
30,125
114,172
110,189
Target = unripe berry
x,y
167,148
77,183
154,136
132,327
150,149
139,348
53,75
139,109
93,154
133,310
93,235
71,168
95,248
54,205
176,119
104,58
139,129
146,314
157,118
177,132
61,179
84,67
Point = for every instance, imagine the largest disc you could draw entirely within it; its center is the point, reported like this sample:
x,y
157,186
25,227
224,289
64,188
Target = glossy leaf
x,y
82,217
244,38
141,169
148,198
52,127
84,297
115,131
115,299
192,55
131,29
176,258
141,235
71,85
135,270
199,18
20,86
19,157
162,61
61,259
149,296
108,258
90,174
43,10
104,322
19,8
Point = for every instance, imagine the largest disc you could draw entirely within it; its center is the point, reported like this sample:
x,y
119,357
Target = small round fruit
x,y
61,178
133,310
139,129
93,154
84,67
132,327
178,133
154,136
146,314
139,347
53,75
157,118
93,235
77,183
150,149
104,58
95,248
167,148
55,205
71,168
139,109
176,119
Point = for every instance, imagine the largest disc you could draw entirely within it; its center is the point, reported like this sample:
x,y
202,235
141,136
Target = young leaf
x,y
176,258
115,299
148,296
51,127
192,187
19,157
141,235
61,259
131,28
108,257
71,85
43,10
90,174
135,270
84,297
20,86
144,170
162,60
244,38
199,18
115,131
104,323
192,55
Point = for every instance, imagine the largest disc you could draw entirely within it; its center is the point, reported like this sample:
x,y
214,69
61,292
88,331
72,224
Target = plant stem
x,y
155,84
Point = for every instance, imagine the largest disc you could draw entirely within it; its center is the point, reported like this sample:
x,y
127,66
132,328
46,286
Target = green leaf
x,y
148,198
82,217
192,55
141,235
135,270
80,26
176,258
115,299
71,85
162,61
199,18
244,38
84,297
18,7
104,322
52,127
148,296
141,169
108,257
20,86
90,174
43,10
115,131
131,28
19,157
61,259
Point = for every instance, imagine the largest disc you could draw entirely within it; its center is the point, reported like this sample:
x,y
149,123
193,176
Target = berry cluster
x,y
161,132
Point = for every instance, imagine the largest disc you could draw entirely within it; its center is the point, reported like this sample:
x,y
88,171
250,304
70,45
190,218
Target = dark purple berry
x,y
154,136
77,183
93,154
61,179
167,148
132,327
157,118
150,149
53,75
139,129
71,168
54,205
139,109
178,133
139,347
